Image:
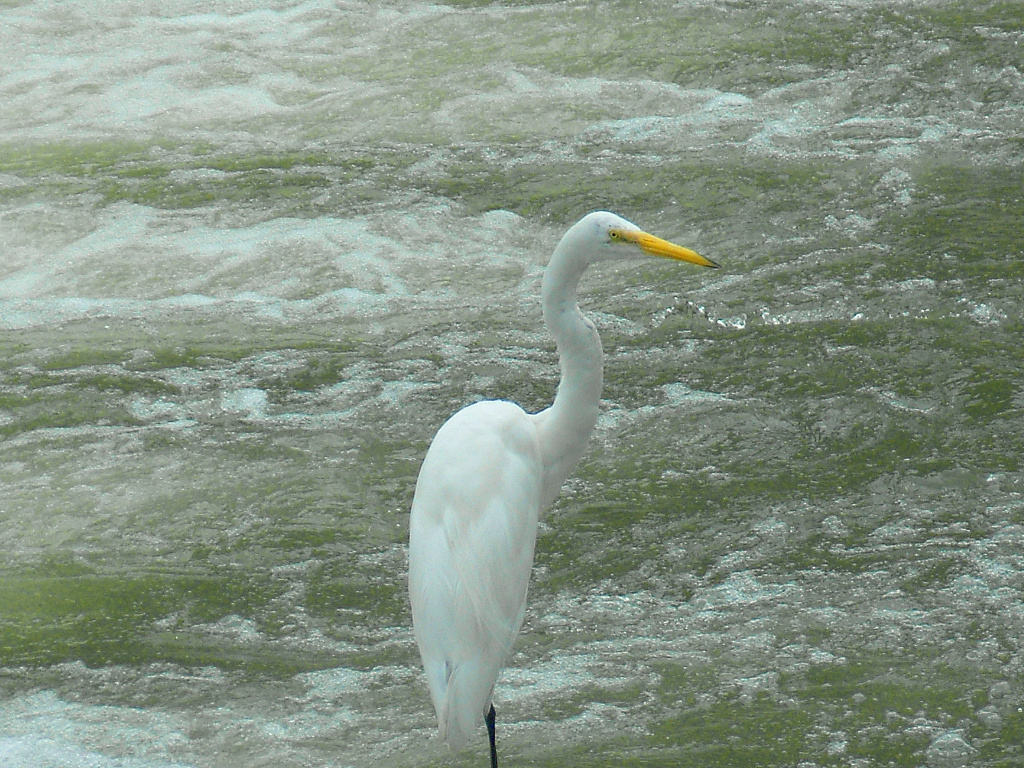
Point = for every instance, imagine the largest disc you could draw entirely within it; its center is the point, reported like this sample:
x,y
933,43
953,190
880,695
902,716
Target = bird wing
x,y
472,533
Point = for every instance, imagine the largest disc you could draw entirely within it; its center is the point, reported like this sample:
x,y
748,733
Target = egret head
x,y
612,237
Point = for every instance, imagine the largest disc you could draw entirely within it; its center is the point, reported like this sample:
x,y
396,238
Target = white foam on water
x,y
248,400
36,752
680,394
140,262
45,730
118,66
136,261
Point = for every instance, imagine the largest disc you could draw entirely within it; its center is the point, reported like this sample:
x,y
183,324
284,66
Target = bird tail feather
x,y
467,699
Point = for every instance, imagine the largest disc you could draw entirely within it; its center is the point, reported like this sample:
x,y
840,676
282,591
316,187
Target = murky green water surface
x,y
252,256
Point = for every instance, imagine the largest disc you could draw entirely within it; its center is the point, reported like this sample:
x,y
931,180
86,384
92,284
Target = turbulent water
x,y
252,255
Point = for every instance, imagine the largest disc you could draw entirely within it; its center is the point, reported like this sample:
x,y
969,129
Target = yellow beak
x,y
658,247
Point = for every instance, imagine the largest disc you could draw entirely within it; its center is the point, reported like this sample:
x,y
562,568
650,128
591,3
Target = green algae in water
x,y
63,409
872,707
299,183
66,157
961,227
110,620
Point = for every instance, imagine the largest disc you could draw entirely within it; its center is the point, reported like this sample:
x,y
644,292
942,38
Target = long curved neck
x,y
565,427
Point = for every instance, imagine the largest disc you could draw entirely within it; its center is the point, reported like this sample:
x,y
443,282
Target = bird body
x,y
473,531
489,472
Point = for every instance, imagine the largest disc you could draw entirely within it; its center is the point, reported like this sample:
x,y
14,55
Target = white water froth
x,y
142,263
46,731
114,68
35,752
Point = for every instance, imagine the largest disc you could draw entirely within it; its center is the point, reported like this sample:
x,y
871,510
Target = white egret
x,y
489,472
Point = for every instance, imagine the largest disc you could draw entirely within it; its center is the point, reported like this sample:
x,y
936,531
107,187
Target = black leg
x,y
489,719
